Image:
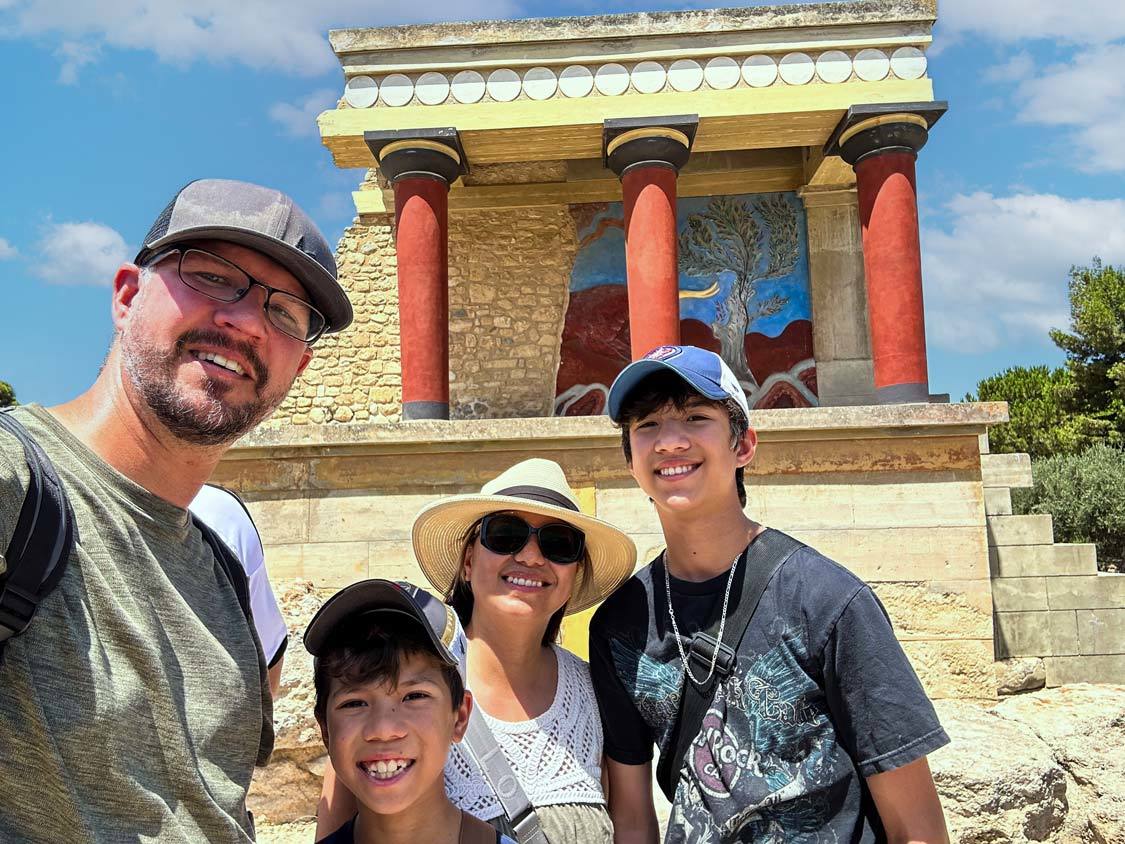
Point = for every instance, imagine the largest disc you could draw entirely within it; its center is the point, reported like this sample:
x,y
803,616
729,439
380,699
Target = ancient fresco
x,y
744,292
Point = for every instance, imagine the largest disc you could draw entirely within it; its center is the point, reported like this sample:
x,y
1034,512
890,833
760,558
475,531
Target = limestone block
x,y
1100,591
954,669
984,446
1020,674
1019,594
837,378
957,609
325,564
997,780
998,501
1086,668
394,560
1022,634
1101,631
1064,632
1010,470
280,521
1042,560
895,554
364,516
628,508
1020,530
250,476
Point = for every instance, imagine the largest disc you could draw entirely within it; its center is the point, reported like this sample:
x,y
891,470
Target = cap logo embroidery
x,y
663,353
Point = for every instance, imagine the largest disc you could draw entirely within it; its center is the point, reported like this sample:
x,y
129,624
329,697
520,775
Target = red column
x,y
421,238
649,194
888,208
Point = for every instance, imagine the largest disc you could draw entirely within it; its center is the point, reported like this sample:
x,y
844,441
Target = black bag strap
x,y
760,561
44,536
229,563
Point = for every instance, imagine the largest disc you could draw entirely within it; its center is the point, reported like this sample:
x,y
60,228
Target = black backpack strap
x,y
230,564
45,535
761,561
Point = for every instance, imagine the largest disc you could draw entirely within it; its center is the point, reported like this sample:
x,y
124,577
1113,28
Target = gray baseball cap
x,y
261,219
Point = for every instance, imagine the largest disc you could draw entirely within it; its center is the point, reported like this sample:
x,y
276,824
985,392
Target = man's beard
x,y
206,420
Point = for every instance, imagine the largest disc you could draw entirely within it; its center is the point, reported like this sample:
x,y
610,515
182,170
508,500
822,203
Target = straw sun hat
x,y
534,486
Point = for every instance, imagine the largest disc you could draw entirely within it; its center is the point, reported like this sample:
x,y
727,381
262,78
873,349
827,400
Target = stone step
x,y
1051,561
1010,470
998,501
1020,530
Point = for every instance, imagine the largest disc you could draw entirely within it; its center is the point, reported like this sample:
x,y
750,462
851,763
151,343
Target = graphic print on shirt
x,y
765,749
654,685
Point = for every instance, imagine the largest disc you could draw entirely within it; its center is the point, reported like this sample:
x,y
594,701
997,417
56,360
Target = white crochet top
x,y
556,757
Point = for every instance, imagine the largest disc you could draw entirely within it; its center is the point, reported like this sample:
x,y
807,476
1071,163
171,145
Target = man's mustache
x,y
199,336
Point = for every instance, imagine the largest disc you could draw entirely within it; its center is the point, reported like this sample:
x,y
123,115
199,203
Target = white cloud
x,y
997,273
1017,68
300,119
80,253
1087,94
75,55
1008,21
288,36
7,250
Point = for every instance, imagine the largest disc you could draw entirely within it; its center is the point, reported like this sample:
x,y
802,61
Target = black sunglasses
x,y
504,533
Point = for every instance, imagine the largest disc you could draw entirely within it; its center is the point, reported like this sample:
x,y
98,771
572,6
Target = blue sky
x,y
110,107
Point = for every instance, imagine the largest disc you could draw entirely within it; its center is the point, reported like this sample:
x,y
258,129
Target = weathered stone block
x,y
1063,625
953,609
1022,634
1010,470
1042,560
1101,631
1019,594
280,521
340,518
954,669
895,554
998,501
1020,530
326,564
1020,674
1101,591
1101,668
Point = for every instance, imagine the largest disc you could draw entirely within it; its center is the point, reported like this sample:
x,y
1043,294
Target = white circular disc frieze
x,y
722,73
361,92
611,79
834,66
796,68
649,77
397,90
908,63
540,83
504,85
685,75
576,81
759,71
468,87
871,65
432,88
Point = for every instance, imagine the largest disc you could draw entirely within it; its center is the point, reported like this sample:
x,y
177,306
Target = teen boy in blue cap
x,y
817,728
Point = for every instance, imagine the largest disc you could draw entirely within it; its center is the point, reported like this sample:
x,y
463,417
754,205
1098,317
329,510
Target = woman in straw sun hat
x,y
512,560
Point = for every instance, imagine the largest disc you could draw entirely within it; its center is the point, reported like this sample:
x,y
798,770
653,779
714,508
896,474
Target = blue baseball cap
x,y
704,371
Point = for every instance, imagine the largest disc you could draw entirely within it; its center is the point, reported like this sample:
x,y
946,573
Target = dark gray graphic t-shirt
x,y
822,696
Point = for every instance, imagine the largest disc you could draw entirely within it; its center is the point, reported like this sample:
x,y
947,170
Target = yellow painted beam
x,y
561,128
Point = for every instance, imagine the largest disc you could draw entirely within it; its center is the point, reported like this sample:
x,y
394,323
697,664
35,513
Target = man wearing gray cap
x,y
135,704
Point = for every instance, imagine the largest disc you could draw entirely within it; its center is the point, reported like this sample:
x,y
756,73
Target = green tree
x,y
1038,423
7,395
1095,349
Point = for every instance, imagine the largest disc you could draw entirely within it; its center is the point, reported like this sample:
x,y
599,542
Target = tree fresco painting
x,y
744,293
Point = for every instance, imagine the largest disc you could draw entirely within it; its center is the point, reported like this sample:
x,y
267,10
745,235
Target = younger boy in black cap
x,y
390,700
817,729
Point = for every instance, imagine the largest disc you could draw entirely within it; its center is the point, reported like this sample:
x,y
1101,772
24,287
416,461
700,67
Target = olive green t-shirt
x,y
135,706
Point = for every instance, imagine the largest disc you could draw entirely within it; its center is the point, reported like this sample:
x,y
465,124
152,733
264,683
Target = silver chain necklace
x,y
676,629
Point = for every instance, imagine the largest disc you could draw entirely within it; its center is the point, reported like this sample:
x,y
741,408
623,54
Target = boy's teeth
x,y
676,470
385,769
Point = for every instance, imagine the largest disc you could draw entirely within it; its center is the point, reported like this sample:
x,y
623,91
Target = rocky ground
x,y
1045,765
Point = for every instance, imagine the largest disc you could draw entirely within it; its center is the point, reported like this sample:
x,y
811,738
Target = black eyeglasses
x,y
504,533
217,278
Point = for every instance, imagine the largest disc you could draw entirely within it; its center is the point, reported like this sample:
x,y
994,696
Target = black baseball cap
x,y
261,219
377,597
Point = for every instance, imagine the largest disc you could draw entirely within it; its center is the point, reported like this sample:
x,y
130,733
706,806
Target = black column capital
x,y
868,130
418,153
650,141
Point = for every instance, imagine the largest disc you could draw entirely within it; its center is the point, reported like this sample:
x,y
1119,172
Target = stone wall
x,y
508,287
894,493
